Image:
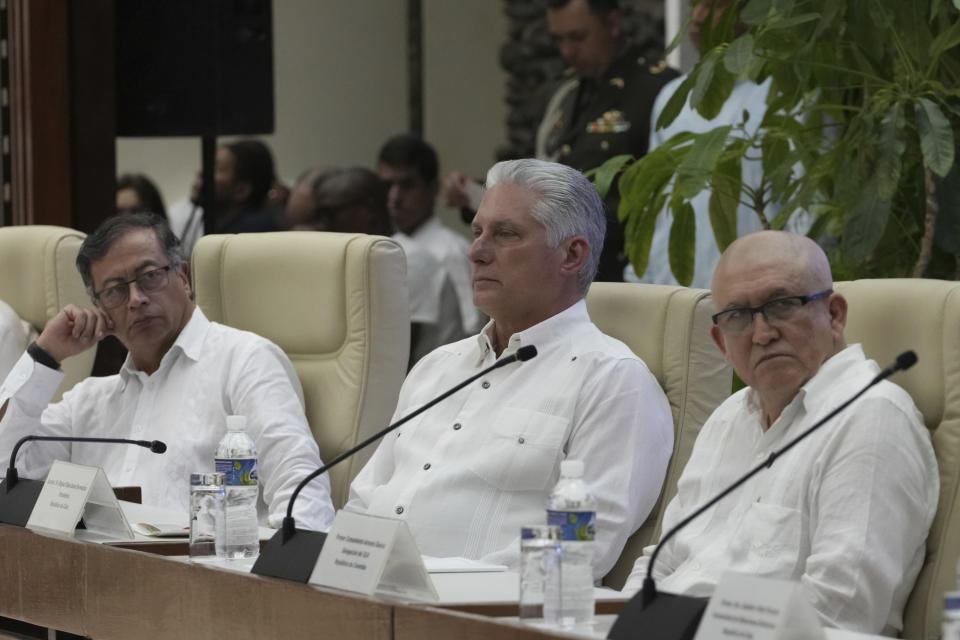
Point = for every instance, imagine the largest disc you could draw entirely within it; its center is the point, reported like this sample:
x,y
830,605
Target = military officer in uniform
x,y
601,109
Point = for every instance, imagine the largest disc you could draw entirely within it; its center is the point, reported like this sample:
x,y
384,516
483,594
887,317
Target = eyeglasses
x,y
740,319
148,282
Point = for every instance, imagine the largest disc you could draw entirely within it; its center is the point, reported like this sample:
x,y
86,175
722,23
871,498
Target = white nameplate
x,y
72,491
373,555
745,606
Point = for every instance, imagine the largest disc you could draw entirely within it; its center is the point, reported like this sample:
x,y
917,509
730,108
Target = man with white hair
x,y
467,474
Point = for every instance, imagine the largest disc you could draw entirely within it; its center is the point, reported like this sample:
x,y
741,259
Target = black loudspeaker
x,y
194,67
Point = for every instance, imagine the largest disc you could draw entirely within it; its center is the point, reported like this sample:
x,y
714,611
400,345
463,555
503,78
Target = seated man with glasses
x,y
845,512
182,377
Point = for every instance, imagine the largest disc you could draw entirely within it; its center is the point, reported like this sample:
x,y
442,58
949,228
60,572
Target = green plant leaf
x,y
604,175
865,224
936,137
683,237
639,235
726,183
789,23
755,11
704,78
700,162
739,55
679,98
890,151
947,235
946,39
713,87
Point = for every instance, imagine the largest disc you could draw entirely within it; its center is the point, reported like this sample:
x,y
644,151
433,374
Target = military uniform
x,y
589,120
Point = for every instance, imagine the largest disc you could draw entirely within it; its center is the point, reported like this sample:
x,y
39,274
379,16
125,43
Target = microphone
x,y
671,616
291,552
18,496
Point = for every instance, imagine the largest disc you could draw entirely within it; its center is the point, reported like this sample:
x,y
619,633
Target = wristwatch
x,y
41,356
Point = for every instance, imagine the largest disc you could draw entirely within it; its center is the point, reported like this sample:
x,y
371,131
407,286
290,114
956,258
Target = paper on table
x,y
459,565
161,530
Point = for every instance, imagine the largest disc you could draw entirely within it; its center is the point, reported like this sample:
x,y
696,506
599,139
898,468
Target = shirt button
x,y
456,426
399,510
604,145
426,466
485,384
521,440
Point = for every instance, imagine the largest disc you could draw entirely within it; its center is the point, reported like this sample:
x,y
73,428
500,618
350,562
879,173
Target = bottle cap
x,y
571,469
236,423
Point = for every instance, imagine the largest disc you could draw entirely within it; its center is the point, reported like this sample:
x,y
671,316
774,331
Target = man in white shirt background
x,y
846,512
15,335
182,377
409,166
467,474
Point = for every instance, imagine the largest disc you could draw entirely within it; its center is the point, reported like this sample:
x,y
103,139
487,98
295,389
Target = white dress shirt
x,y
746,97
210,372
15,335
434,305
469,472
450,248
845,512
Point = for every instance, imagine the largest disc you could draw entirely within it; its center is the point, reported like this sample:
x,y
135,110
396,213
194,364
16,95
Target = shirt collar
x,y
189,342
548,331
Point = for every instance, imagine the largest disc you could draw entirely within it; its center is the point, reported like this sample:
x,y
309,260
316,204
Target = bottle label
x,y
240,472
576,525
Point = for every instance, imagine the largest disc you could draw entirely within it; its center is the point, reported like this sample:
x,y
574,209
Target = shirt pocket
x,y
521,451
768,541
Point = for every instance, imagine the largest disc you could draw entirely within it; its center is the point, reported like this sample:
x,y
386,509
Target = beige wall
x,y
341,89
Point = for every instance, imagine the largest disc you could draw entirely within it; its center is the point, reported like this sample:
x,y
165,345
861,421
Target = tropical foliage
x,y
865,98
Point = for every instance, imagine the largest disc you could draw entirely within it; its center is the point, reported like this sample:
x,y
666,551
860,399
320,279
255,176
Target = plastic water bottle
x,y
571,507
236,458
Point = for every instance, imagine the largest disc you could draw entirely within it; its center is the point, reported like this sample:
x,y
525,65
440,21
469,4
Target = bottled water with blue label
x,y
236,458
571,507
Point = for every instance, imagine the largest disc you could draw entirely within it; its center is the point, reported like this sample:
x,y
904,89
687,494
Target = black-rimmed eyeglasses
x,y
740,319
148,282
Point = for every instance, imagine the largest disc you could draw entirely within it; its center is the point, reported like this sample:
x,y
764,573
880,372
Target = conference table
x,y
105,591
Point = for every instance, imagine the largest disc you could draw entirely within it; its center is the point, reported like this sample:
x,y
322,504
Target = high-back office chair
x,y
669,328
38,277
336,303
888,317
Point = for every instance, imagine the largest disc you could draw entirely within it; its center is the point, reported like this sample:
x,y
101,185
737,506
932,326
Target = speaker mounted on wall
x,y
194,68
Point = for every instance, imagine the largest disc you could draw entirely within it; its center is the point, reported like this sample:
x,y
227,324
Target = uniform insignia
x,y
610,122
659,67
617,82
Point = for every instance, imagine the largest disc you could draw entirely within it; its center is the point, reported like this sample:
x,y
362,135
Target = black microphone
x,y
303,546
16,505
675,617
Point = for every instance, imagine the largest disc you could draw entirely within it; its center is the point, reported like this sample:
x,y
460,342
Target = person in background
x,y
466,475
355,201
846,512
137,193
15,335
410,167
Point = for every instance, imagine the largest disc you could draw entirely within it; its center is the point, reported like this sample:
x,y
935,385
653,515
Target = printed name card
x,y
753,608
373,555
72,491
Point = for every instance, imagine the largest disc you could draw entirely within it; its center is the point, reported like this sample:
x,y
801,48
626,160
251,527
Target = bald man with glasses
x,y
846,512
183,376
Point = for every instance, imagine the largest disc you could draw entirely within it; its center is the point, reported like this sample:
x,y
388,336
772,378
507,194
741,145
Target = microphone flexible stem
x,y
649,587
21,441
346,454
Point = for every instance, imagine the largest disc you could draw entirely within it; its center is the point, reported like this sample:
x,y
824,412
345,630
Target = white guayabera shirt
x,y
469,472
210,372
845,512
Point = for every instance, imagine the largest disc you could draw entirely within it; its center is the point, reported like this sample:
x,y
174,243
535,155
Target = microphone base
x,y
668,617
17,504
290,560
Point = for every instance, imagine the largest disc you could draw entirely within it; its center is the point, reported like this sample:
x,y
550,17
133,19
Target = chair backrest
x,y
38,277
669,329
888,317
336,303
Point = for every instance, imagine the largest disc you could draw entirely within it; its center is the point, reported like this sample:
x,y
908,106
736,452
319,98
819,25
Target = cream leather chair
x,y
888,317
669,328
38,277
336,303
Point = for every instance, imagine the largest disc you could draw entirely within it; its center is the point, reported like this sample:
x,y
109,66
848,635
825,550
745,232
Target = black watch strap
x,y
41,356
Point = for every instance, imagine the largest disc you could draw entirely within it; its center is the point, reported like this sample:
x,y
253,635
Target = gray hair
x,y
97,244
567,205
